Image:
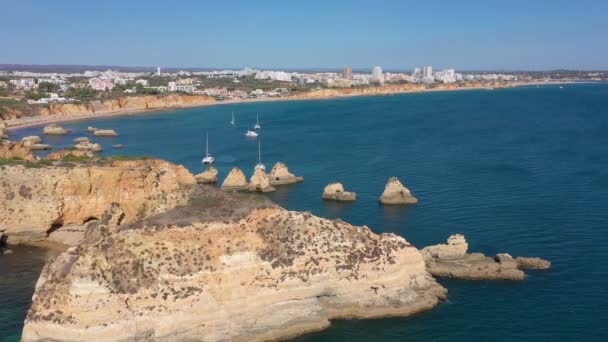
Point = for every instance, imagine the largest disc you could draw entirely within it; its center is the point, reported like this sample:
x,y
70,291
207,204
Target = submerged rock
x,y
533,263
452,260
105,132
118,146
396,193
237,271
280,175
235,180
259,182
335,192
208,176
54,129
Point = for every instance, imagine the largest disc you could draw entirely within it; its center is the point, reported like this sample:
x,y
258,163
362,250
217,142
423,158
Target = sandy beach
x,y
57,118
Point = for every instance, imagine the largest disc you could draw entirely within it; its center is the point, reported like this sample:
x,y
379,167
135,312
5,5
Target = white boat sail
x,y
257,122
209,159
259,165
251,134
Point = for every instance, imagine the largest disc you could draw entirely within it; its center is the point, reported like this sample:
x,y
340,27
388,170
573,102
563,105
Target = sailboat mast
x,y
207,146
259,152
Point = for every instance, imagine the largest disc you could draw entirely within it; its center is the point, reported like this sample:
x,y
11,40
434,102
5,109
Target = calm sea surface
x,y
522,170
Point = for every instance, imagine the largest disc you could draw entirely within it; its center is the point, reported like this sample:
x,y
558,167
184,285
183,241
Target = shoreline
x,y
39,120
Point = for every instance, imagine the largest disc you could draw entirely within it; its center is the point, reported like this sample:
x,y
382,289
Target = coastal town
x,y
19,88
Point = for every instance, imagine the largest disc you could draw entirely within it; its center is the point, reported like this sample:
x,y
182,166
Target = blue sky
x,y
464,34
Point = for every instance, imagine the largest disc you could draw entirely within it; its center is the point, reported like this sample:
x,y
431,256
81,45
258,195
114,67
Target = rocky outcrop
x,y
225,268
452,260
37,201
91,129
61,154
335,192
280,175
396,193
235,180
54,129
105,133
259,182
88,146
31,139
127,103
208,176
19,150
81,139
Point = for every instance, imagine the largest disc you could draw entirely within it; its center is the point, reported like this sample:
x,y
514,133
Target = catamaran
x,y
232,122
259,165
257,122
209,159
251,134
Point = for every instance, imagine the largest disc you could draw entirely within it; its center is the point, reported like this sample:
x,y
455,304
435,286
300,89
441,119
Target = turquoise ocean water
x,y
521,170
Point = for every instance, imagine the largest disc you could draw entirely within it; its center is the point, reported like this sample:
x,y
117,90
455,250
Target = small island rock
x,y
259,182
396,193
235,180
53,129
88,146
208,176
81,139
105,133
32,139
280,175
91,129
335,192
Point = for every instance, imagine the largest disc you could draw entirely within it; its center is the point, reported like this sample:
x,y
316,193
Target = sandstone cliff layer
x,y
216,271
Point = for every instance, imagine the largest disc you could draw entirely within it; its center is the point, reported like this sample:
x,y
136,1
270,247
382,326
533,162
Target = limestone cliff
x,y
126,103
226,267
36,201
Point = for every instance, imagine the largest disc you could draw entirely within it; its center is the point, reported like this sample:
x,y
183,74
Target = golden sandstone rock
x,y
235,180
280,175
39,200
208,176
259,182
396,193
335,192
227,267
16,150
54,129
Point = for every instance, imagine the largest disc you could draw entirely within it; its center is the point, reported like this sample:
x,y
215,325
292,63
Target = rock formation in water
x,y
31,139
396,193
335,192
280,175
9,150
54,129
81,139
235,180
105,133
208,176
88,146
225,267
37,201
259,182
91,129
452,260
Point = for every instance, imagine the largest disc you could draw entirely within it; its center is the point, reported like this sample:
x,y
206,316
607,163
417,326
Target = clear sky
x,y
463,34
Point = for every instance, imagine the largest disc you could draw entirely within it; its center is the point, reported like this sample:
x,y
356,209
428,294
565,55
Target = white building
x,y
157,71
377,74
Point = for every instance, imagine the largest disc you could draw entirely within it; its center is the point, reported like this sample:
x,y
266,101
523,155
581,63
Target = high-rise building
x,y
427,72
377,74
347,73
158,71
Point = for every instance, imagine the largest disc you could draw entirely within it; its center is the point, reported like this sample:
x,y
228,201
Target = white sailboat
x,y
251,134
257,122
232,122
259,165
209,159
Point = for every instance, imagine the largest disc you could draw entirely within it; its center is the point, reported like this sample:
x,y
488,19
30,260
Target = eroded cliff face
x,y
225,267
36,201
126,103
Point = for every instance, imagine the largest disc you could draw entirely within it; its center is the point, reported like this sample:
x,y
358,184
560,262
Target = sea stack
x,y
81,139
396,193
88,146
280,175
105,133
335,192
235,180
259,182
451,260
53,129
208,176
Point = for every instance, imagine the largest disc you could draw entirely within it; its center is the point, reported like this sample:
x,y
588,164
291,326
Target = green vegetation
x,y
70,158
10,161
26,163
31,95
48,87
83,94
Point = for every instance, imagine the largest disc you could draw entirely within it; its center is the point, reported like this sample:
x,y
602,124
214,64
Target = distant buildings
x,y
274,75
157,71
377,74
101,84
347,73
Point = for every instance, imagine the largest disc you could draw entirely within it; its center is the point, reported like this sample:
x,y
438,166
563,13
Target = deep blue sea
x,y
522,170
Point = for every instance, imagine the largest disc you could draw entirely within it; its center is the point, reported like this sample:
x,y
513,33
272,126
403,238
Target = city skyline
x,y
470,35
